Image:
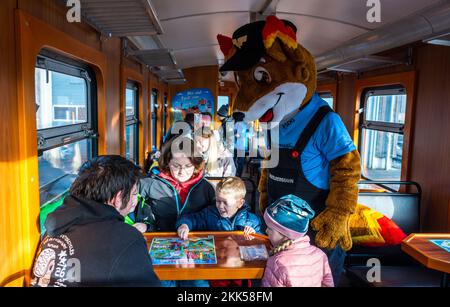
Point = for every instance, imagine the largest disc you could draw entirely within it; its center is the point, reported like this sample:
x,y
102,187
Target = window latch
x,y
41,141
90,133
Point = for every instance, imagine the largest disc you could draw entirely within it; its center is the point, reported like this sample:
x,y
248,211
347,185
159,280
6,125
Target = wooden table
x,y
229,264
419,247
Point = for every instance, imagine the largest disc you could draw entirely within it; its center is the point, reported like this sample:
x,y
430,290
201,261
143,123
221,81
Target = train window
x,y
221,101
381,133
328,97
132,122
154,122
66,127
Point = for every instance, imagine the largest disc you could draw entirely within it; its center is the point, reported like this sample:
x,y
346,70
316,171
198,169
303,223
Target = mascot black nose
x,y
238,116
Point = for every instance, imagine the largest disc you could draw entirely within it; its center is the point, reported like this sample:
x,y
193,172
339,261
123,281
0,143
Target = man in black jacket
x,y
87,242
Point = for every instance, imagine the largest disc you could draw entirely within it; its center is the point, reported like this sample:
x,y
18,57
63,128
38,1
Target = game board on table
x,y
444,244
171,251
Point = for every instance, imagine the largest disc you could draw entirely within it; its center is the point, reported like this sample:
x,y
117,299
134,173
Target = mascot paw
x,y
332,228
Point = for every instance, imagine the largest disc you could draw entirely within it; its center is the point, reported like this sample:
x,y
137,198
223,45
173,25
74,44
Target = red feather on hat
x,y
275,28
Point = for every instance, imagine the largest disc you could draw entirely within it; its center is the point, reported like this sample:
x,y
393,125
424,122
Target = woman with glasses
x,y
179,188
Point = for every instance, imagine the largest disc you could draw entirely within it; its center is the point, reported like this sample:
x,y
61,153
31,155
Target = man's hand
x,y
141,227
183,232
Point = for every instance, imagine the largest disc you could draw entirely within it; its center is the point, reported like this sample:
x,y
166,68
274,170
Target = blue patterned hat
x,y
290,216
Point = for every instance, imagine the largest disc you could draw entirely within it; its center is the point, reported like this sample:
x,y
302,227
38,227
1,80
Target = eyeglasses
x,y
178,167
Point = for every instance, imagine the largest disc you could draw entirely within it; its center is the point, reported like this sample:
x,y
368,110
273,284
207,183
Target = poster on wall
x,y
199,100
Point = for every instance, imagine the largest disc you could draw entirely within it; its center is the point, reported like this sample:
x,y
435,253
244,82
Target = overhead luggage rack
x,y
167,74
121,18
155,57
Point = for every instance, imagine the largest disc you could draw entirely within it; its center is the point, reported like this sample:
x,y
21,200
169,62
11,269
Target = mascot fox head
x,y
275,75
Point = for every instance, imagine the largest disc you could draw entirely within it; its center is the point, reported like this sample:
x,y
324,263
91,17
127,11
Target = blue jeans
x,y
185,283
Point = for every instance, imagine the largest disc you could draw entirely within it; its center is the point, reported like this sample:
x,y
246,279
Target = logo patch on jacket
x,y
279,179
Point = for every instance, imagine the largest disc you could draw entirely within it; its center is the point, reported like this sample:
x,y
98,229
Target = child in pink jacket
x,y
294,262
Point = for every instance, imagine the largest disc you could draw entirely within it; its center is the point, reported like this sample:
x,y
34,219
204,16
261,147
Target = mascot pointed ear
x,y
226,44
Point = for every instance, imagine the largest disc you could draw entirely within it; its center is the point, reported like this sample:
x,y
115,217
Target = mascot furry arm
x,y
287,67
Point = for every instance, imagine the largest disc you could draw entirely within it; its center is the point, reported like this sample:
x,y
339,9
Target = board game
x,y
444,244
172,251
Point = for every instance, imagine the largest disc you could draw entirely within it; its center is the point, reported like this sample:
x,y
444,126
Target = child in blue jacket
x,y
230,213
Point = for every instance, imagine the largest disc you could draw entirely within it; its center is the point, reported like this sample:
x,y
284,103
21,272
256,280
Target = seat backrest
x,y
402,208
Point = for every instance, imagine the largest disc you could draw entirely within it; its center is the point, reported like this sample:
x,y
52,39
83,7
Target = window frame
x,y
60,136
154,107
329,88
408,81
370,125
133,120
54,137
164,115
327,94
380,125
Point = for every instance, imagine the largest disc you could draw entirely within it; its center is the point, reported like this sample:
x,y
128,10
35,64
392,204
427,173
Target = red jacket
x,y
182,188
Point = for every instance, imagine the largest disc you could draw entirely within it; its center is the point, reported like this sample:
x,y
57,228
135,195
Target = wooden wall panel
x,y
12,258
346,101
431,148
54,14
114,134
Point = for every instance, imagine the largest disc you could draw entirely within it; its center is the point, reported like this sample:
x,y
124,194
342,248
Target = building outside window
x,y
132,122
381,133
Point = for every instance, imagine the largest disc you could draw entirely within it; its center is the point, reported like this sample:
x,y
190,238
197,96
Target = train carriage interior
x,y
88,78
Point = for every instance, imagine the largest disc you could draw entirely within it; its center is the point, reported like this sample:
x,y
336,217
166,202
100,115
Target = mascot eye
x,y
261,75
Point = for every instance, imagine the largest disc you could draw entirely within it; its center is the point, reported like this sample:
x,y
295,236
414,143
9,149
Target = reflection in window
x,y
381,145
382,154
58,168
386,108
131,101
62,99
132,129
222,101
130,147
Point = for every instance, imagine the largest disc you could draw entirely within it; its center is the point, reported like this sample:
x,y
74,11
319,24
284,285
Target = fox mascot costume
x,y
318,160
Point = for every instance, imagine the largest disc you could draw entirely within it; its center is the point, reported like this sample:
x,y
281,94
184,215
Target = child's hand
x,y
183,232
141,227
248,231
